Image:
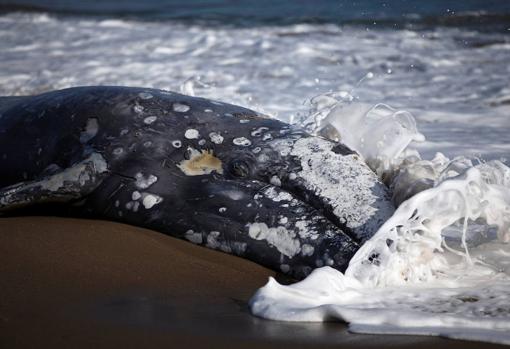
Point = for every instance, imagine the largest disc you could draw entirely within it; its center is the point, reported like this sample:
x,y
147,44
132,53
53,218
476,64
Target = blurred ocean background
x,y
448,62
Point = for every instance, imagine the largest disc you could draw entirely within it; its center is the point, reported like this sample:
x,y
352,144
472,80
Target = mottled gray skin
x,y
138,132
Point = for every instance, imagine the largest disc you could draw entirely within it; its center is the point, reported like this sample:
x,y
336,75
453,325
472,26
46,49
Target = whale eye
x,y
239,168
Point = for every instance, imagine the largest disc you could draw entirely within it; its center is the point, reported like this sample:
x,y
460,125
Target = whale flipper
x,y
63,186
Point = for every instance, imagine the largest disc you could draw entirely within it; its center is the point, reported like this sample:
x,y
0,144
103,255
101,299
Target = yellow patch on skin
x,y
201,162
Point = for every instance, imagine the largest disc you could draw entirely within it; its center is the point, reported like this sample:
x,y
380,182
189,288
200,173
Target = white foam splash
x,y
439,266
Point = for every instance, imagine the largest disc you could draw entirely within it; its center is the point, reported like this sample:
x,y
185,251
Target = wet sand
x,y
94,284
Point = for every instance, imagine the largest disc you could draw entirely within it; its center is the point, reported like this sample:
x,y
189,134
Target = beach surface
x,y
85,283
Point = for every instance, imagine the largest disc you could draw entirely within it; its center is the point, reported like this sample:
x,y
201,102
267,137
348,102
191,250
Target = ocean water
x,y
397,80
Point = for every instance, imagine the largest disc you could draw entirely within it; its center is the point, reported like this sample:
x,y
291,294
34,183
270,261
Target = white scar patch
x,y
145,95
90,130
180,108
201,162
275,181
285,241
276,195
216,138
307,250
150,119
242,141
258,132
191,133
76,173
195,238
144,182
149,200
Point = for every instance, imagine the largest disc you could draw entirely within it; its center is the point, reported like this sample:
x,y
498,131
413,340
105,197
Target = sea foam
x,y
439,266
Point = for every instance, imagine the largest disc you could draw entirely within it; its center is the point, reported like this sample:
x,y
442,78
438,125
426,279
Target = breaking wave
x,y
439,266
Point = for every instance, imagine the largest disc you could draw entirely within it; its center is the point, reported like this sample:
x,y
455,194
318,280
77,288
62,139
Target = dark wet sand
x,y
92,284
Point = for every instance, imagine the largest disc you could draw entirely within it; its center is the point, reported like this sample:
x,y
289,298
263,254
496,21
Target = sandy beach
x,y
85,283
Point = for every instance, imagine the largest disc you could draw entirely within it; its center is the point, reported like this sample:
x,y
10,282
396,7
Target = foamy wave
x,y
439,266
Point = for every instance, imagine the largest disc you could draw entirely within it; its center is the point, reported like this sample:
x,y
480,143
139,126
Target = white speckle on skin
x,y
193,237
283,220
138,108
282,239
216,138
90,131
150,200
208,111
212,240
277,195
263,158
244,121
228,115
284,268
150,119
124,132
225,248
191,133
145,95
275,181
303,230
267,137
133,206
118,151
256,150
216,103
147,144
238,247
222,209
143,182
176,144
292,176
234,194
117,203
307,250
258,131
242,141
136,195
180,107
201,142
